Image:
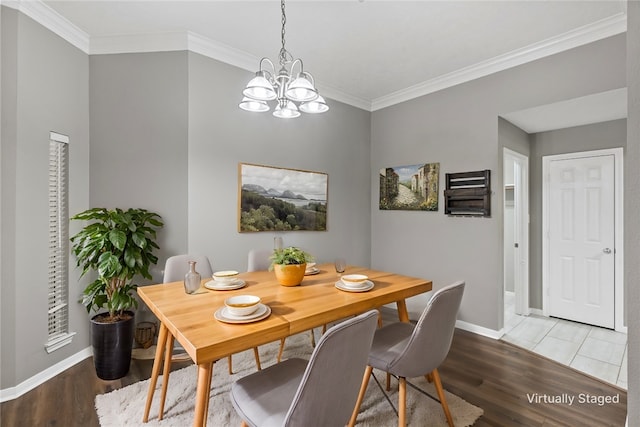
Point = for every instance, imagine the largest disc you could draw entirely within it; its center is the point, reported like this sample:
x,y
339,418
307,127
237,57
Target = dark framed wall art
x,y
280,199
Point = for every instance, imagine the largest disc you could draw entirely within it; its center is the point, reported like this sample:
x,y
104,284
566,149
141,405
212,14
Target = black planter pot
x,y
112,344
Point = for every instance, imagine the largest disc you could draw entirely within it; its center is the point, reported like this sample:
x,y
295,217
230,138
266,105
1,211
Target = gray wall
x,y
632,207
221,135
45,88
139,135
175,116
458,127
597,136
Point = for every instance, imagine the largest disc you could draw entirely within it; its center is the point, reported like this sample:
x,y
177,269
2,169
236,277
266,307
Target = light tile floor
x,y
596,351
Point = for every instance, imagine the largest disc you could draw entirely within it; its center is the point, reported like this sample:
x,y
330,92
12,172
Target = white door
x,y
516,176
581,240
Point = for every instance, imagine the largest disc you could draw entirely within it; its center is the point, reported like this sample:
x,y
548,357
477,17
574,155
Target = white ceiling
x,y
370,54
595,108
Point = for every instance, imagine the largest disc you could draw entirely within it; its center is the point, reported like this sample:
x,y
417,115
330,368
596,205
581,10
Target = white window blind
x,y
58,303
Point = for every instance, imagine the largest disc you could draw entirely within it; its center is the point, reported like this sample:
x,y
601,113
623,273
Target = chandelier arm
x,y
313,82
271,73
293,64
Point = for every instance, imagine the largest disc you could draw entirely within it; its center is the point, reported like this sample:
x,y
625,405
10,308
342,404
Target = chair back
x,y
329,387
177,266
259,260
431,338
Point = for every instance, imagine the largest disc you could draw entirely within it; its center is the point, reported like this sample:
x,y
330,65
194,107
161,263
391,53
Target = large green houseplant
x,y
117,245
289,265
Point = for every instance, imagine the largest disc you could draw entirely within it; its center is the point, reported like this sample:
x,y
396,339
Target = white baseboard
x,y
31,383
480,330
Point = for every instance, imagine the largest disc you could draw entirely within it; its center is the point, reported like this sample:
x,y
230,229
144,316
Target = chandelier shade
x,y
316,106
254,105
283,87
286,111
301,90
259,88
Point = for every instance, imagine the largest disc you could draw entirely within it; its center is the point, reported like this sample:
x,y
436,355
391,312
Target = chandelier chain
x,y
285,56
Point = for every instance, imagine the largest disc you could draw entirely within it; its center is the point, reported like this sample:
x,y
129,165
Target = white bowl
x,y
225,276
311,266
242,305
354,279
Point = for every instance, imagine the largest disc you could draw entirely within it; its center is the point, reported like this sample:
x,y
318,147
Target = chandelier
x,y
292,94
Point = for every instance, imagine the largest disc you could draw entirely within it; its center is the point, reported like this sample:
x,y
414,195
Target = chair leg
x,y
165,373
256,355
313,338
243,424
363,389
230,365
429,377
281,349
388,381
402,402
443,400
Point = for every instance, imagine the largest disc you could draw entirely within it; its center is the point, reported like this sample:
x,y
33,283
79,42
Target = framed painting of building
x,y
413,187
280,199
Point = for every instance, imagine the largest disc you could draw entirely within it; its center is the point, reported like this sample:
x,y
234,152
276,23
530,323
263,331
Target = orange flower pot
x,y
290,274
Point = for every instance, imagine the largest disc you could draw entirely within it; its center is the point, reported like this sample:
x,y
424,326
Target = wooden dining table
x,y
189,318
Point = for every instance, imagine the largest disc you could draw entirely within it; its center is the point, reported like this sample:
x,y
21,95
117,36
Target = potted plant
x,y
289,264
117,245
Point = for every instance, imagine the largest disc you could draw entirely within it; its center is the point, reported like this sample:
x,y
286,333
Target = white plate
x,y
368,285
222,315
221,286
311,272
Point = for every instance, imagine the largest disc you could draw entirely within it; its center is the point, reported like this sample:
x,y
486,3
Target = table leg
x,y
202,393
403,315
206,407
168,354
157,362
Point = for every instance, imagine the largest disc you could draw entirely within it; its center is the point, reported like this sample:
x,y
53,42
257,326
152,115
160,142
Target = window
x,y
58,242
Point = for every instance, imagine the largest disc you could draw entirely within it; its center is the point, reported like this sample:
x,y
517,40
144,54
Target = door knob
x,y
606,250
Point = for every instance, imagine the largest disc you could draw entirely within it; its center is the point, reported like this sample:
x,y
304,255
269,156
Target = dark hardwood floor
x,y
494,375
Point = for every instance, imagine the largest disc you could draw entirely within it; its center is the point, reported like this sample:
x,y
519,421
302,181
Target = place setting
x,y
311,269
226,280
242,309
354,283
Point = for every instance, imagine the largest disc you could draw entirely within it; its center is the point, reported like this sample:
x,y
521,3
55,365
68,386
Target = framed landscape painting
x,y
280,199
413,187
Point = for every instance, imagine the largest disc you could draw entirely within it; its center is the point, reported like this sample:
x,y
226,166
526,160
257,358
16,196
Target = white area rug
x,y
125,407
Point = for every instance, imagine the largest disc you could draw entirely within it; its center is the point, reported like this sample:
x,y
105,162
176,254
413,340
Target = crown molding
x,y
137,43
221,52
173,41
590,33
52,20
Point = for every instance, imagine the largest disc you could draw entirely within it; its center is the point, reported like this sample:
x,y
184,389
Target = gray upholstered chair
x,y
319,393
259,259
408,351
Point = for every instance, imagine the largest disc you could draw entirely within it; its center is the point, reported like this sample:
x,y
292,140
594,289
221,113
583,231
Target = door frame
x,y
618,223
521,219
